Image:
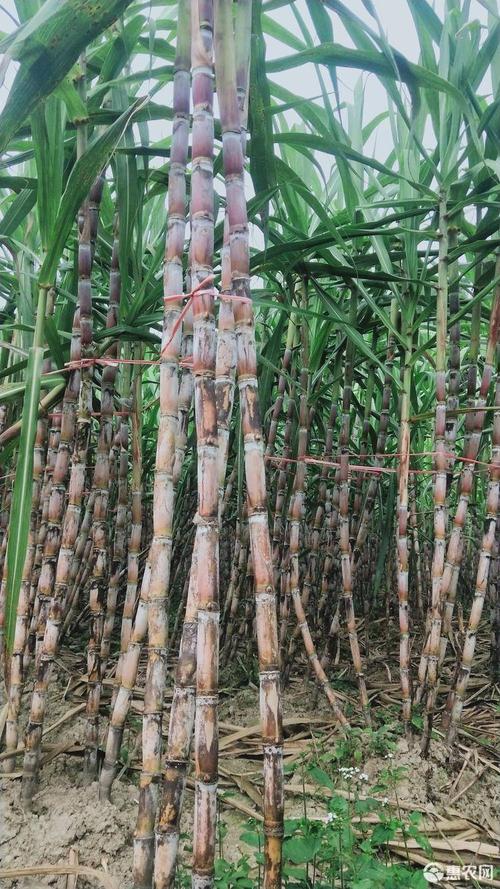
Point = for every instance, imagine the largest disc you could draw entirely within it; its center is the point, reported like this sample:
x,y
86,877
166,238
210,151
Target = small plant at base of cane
x,y
359,745
388,780
342,849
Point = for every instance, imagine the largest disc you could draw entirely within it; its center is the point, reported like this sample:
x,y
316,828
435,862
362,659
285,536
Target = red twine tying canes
x,y
198,290
354,467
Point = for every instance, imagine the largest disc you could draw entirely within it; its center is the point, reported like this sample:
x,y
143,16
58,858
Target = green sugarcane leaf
x,y
278,32
127,200
304,141
13,369
164,73
47,47
352,334
17,211
324,29
22,494
17,183
415,76
47,126
53,340
423,12
261,148
121,48
25,40
75,106
13,391
79,182
380,312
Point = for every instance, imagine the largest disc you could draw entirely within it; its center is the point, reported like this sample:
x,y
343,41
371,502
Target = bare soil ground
x,y
67,815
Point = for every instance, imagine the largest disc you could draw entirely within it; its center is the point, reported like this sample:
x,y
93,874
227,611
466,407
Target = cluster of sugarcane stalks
x,y
271,531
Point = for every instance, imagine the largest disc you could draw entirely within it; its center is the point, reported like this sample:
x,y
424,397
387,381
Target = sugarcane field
x,y
249,444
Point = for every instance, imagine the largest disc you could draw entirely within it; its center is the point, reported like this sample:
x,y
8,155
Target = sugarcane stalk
x,y
320,512
453,551
279,541
134,540
121,704
295,516
4,524
206,544
267,630
101,484
118,558
185,393
495,609
81,558
16,675
345,549
182,716
182,713
402,540
453,401
161,547
52,451
431,644
278,404
456,698
60,545
363,446
236,585
416,549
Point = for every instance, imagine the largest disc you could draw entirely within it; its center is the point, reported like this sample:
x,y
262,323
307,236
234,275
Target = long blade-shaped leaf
x,y
48,47
81,178
21,496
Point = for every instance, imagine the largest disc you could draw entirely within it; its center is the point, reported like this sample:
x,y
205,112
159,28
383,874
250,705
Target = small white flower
x,y
363,777
389,756
385,801
330,817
